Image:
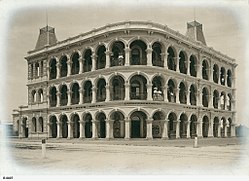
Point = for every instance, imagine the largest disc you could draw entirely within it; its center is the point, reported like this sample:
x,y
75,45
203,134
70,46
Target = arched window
x,y
75,67
75,93
37,69
53,97
205,74
87,92
193,126
171,91
172,125
101,57
34,128
171,59
216,99
157,88
157,59
63,66
222,76
216,73
229,78
138,88
183,125
138,53
118,124
193,68
63,95
182,93
205,97
33,96
40,93
223,100
118,55
192,96
88,125
205,126
118,89
87,64
101,90
53,69
40,121
183,62
101,118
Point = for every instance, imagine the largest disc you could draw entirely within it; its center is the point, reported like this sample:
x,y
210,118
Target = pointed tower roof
x,y
46,37
194,31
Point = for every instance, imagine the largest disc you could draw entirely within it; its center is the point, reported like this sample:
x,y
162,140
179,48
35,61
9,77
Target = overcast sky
x,y
225,25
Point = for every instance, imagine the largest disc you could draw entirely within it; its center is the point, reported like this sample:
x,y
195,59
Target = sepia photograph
x,y
134,87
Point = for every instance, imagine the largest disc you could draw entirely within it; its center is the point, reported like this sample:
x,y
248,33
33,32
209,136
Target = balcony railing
x,y
134,96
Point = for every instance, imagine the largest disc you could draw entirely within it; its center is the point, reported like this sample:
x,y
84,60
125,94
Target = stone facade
x,y
129,80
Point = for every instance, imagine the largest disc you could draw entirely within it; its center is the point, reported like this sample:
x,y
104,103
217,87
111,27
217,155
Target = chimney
x,y
194,31
46,37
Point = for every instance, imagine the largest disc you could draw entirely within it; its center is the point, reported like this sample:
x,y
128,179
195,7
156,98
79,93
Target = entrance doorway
x,y
138,125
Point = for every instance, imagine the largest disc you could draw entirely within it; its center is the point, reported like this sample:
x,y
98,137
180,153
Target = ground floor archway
x,y
138,124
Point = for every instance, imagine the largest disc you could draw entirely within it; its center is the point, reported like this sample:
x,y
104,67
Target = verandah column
x,y
149,129
188,129
165,129
127,56
127,95
199,128
149,56
127,128
70,130
94,129
59,130
82,129
177,122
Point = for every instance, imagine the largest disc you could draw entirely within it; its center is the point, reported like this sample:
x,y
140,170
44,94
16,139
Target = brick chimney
x,y
46,37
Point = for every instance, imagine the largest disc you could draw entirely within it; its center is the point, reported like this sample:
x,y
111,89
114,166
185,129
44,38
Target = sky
x,y
225,26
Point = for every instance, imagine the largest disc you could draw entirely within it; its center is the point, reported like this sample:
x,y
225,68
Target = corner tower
x,y
46,37
194,31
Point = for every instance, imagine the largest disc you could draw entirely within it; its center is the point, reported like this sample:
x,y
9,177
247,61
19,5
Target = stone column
x,y
107,87
82,129
199,97
199,128
111,128
58,75
127,88
94,129
107,129
149,56
81,65
149,92
81,96
177,63
70,130
149,129
177,95
59,130
127,56
69,93
210,132
49,130
93,94
165,93
58,97
225,130
210,101
165,129
188,129
166,60
69,67
94,56
107,58
177,128
127,128
188,98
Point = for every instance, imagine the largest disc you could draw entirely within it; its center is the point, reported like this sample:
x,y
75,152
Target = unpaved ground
x,y
223,156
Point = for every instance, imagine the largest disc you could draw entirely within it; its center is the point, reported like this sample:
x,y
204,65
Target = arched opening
x,y
138,53
87,61
34,128
182,93
138,90
138,124
118,54
157,124
76,125
193,126
216,73
222,76
157,59
75,67
205,126
183,125
193,66
223,126
157,88
37,69
25,127
205,97
87,92
40,126
64,126
53,97
33,96
183,62
101,57
88,125
216,99
172,118
63,66
223,100
216,127
118,124
171,62
205,74
101,90
52,69
171,91
75,94
192,95
53,126
41,69
101,118
229,127
40,93
229,78
117,88
63,95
